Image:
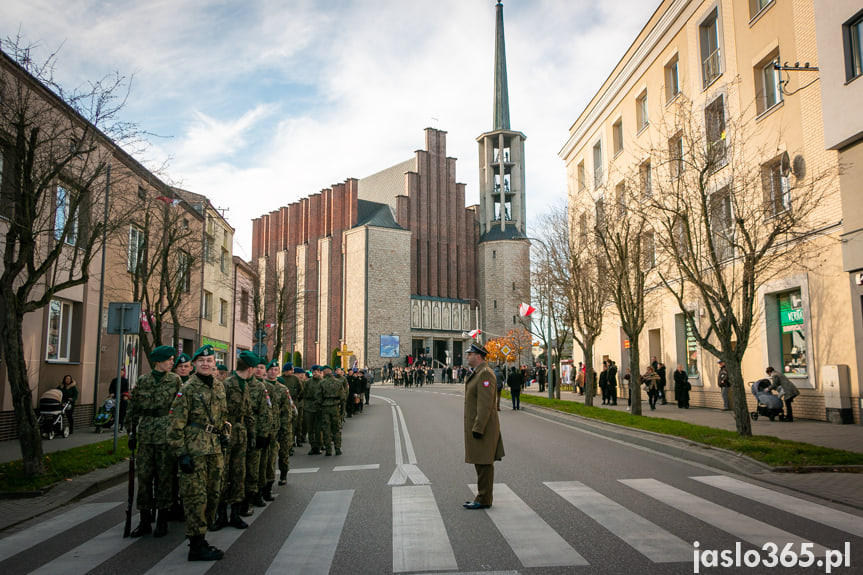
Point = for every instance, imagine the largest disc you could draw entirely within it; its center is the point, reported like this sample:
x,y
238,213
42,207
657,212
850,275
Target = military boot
x,y
236,521
258,500
268,492
200,550
338,450
314,451
161,523
246,507
144,527
283,475
221,518
329,452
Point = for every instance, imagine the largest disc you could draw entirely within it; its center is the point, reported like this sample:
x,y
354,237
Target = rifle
x,y
127,528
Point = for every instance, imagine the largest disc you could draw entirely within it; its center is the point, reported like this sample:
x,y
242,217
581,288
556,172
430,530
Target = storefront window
x,y
793,337
691,351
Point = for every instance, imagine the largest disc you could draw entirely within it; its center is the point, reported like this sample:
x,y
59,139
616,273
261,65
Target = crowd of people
x,y
209,443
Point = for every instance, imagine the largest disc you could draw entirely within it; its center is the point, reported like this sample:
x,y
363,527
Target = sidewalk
x,y
11,450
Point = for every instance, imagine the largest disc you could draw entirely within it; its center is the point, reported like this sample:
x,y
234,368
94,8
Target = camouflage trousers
x,y
313,427
297,424
286,441
269,455
253,465
200,491
331,424
234,472
154,465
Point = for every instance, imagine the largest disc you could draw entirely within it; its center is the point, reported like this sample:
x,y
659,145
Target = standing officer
x,y
242,423
312,407
183,367
331,396
340,376
291,379
483,444
266,425
147,422
197,436
282,439
260,411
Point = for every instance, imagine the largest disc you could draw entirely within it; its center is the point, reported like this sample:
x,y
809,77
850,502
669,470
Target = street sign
x,y
124,318
260,349
505,350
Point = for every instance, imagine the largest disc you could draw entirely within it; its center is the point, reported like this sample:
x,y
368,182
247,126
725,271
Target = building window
x,y
597,164
514,321
721,224
600,213
852,35
687,345
648,251
714,120
672,79
777,191
64,218
136,249
184,272
641,117
207,306
208,249
59,330
142,193
711,62
223,312
675,156
620,192
582,180
5,197
756,6
244,306
646,178
793,342
617,136
223,262
495,304
767,87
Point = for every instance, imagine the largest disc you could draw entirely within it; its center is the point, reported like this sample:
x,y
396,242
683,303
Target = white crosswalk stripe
x,y
744,528
420,541
89,555
794,505
532,540
646,537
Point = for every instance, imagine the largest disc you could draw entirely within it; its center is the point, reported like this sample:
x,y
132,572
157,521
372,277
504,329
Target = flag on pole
x,y
268,325
474,333
170,201
525,309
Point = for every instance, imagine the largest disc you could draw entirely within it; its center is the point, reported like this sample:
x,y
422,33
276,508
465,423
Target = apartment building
x,y
743,75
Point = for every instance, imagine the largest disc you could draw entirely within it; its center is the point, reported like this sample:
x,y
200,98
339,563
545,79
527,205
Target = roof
x,y
375,214
384,186
511,232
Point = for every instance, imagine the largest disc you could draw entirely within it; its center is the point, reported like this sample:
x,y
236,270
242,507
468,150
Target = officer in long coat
x,y
483,444
197,436
147,422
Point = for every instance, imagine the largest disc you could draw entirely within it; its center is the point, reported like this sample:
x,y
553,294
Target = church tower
x,y
504,250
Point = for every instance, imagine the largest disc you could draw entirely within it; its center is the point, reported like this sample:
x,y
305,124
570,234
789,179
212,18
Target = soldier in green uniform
x,y
147,422
197,435
312,407
242,423
332,396
281,410
291,379
183,367
339,375
266,425
287,415
258,398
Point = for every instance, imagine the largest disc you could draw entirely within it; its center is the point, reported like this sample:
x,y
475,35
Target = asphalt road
x,y
566,501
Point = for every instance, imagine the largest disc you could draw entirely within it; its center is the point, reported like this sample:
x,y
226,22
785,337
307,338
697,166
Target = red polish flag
x,y
170,201
474,333
525,309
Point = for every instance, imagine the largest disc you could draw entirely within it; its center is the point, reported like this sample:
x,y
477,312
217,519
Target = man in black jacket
x,y
515,381
611,381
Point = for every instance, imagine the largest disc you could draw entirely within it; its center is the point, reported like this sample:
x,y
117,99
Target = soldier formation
x,y
214,440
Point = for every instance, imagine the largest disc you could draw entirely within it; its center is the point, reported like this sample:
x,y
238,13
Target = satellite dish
x,y
798,167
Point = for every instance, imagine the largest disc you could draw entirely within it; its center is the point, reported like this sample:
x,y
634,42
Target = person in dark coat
x,y
515,381
483,444
681,387
789,390
661,372
603,383
611,381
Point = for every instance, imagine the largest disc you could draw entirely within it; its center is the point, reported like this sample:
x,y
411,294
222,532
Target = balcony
x,y
710,68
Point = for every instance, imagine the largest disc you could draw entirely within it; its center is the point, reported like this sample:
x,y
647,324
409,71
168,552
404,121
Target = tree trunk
x,y
635,380
29,434
738,397
558,380
589,391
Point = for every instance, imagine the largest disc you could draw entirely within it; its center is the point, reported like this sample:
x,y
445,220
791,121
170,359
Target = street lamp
x,y
547,314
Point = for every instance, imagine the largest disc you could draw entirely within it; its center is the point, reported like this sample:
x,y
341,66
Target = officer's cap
x,y
273,363
288,366
477,348
204,351
182,358
162,353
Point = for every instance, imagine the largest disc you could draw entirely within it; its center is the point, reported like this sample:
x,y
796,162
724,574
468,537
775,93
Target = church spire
x,y
501,92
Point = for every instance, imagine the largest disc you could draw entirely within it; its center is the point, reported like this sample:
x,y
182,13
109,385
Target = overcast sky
x,y
258,103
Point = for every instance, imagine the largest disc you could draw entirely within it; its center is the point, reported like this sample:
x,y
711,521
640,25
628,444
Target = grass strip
x,y
764,448
62,465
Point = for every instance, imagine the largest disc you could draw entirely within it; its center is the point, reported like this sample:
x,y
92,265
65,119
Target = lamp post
x,y
551,382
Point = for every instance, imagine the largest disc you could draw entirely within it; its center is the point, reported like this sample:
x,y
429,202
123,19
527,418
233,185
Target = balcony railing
x,y
710,68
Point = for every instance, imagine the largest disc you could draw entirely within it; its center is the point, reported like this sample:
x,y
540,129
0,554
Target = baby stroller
x,y
51,410
769,405
105,418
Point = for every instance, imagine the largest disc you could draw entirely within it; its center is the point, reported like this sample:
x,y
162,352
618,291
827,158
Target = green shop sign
x,y
217,345
791,319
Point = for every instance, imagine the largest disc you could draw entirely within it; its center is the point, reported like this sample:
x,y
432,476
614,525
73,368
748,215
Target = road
x,y
566,501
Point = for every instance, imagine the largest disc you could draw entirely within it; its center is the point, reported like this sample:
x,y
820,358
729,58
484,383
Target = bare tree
x,y
731,217
56,149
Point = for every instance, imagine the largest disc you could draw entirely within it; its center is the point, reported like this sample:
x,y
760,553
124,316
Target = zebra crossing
x,y
422,540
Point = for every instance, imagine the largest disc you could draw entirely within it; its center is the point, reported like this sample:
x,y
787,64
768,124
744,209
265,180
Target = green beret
x,y
204,351
249,358
323,367
221,367
182,358
273,363
162,353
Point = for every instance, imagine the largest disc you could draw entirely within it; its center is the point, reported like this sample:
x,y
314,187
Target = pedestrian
x,y
724,384
515,381
197,436
611,381
147,421
627,382
221,371
789,390
579,378
681,387
121,393
483,444
70,396
603,383
661,372
651,382
312,407
500,376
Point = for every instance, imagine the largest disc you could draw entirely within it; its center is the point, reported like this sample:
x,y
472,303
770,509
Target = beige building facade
x,y
715,62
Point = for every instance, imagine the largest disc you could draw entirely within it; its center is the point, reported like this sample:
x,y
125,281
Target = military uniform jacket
x,y
197,418
266,414
295,386
149,404
282,402
480,415
239,403
312,396
332,392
